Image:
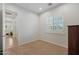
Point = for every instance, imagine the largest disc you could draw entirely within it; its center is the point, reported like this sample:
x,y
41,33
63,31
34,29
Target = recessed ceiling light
x,y
49,4
40,8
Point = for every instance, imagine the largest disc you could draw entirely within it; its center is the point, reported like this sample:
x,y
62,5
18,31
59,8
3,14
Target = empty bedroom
x,y
38,28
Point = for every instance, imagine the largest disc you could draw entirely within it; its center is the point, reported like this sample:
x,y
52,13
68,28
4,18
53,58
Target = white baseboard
x,y
27,42
44,40
65,46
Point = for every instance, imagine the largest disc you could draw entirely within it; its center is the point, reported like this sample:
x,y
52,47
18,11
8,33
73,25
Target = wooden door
x,y
73,40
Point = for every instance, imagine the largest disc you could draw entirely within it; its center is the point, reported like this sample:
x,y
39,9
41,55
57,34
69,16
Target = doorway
x,y
9,31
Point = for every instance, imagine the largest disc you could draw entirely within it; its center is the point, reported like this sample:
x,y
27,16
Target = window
x,y
55,24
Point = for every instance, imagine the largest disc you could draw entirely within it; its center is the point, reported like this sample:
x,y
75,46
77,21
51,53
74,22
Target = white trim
x,y
65,46
19,43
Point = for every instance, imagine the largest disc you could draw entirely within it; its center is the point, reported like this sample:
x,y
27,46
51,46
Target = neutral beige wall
x,y
70,14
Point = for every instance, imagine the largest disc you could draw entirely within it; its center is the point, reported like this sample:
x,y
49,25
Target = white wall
x,y
26,24
70,14
1,42
0,6
30,26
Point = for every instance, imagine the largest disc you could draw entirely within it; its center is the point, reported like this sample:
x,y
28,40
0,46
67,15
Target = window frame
x,y
51,18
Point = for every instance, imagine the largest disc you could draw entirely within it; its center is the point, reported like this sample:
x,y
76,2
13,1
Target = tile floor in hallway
x,y
39,47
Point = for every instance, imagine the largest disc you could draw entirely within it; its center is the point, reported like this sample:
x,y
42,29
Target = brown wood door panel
x,y
73,41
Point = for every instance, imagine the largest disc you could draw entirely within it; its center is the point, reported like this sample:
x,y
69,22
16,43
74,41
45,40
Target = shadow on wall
x,y
1,50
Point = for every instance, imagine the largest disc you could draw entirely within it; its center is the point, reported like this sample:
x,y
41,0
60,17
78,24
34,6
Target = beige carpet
x,y
39,48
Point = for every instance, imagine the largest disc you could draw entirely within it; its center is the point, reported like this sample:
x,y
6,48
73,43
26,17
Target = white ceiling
x,y
34,7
